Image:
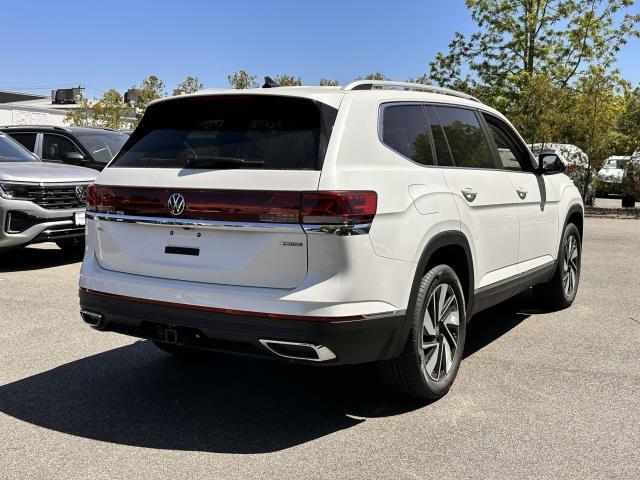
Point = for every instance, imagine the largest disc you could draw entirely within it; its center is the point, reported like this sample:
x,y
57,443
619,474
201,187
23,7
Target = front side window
x,y
466,139
256,132
404,129
512,155
54,147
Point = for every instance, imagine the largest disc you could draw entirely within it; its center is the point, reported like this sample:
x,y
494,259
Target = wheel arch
x,y
575,215
451,248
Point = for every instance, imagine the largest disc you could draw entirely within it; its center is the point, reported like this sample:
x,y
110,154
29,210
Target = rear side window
x,y
466,139
231,132
443,154
404,129
27,140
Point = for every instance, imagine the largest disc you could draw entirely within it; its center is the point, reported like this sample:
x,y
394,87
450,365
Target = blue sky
x,y
115,43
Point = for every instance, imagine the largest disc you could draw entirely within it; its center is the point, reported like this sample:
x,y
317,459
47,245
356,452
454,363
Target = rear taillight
x,y
308,208
90,197
338,208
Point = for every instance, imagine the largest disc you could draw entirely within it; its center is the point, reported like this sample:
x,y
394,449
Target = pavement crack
x,y
637,321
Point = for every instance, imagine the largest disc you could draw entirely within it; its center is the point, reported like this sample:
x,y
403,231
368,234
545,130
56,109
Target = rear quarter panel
x,y
414,202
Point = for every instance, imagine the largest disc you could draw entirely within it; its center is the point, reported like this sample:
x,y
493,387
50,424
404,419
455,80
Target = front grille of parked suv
x,y
56,197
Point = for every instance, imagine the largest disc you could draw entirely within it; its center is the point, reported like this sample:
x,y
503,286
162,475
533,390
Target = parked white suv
x,y
326,226
40,201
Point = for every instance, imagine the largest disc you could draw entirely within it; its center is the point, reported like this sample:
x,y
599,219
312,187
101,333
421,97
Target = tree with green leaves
x,y
594,115
242,80
539,111
325,82
516,40
629,122
109,111
190,85
81,116
151,88
288,80
374,76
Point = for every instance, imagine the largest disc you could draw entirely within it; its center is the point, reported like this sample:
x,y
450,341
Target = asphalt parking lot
x,y
539,394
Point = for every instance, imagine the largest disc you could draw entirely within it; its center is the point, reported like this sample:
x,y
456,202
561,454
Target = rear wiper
x,y
216,162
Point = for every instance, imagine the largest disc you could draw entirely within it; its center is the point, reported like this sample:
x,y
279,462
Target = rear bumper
x,y
352,341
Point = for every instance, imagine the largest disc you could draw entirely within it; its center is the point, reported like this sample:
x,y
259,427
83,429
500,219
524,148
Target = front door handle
x,y
469,194
522,192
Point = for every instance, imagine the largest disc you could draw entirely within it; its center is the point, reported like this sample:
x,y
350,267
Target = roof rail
x,y
35,125
387,84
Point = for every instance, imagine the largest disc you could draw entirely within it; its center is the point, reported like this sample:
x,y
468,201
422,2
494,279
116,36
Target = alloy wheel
x,y
570,266
440,332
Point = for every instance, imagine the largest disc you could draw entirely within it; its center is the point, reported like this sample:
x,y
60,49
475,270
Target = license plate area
x,y
184,237
79,219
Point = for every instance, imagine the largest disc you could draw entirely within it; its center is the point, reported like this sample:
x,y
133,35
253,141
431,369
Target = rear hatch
x,y
209,189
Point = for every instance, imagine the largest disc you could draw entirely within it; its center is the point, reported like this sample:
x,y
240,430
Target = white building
x,y
18,108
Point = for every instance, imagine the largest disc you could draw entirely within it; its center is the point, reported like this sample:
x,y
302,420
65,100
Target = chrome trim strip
x,y
339,230
69,183
323,353
201,224
396,313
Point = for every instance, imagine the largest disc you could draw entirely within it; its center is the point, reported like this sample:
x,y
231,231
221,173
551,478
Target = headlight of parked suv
x,y
14,191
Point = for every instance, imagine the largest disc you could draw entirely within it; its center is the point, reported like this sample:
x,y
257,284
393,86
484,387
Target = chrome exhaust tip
x,y
94,319
298,350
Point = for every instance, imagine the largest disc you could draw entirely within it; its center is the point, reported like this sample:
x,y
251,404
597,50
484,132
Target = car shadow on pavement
x,y
137,395
34,258
491,324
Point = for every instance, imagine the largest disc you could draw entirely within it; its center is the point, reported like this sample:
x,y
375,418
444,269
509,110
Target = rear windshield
x,y
231,132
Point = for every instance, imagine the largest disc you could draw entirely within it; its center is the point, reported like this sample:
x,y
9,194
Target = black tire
x,y
410,373
554,294
74,247
628,201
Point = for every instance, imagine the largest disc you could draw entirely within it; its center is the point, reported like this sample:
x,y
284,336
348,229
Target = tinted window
x,y
102,144
404,129
512,155
443,154
55,146
11,151
229,132
27,140
465,136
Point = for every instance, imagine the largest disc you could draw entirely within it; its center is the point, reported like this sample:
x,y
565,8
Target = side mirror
x,y
74,158
550,163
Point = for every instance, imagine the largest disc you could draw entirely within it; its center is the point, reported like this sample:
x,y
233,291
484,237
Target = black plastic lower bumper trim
x,y
352,341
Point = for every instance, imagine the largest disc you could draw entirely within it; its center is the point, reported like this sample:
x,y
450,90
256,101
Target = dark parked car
x,y
88,147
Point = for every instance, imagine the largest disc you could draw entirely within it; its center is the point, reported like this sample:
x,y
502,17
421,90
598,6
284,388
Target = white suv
x,y
327,226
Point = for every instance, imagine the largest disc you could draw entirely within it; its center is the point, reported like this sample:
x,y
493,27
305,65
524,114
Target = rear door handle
x,y
522,192
469,194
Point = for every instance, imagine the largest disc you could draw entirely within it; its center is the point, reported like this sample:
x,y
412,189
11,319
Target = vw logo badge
x,y
176,204
81,193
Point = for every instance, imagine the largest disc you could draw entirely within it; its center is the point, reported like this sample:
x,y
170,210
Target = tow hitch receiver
x,y
170,335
